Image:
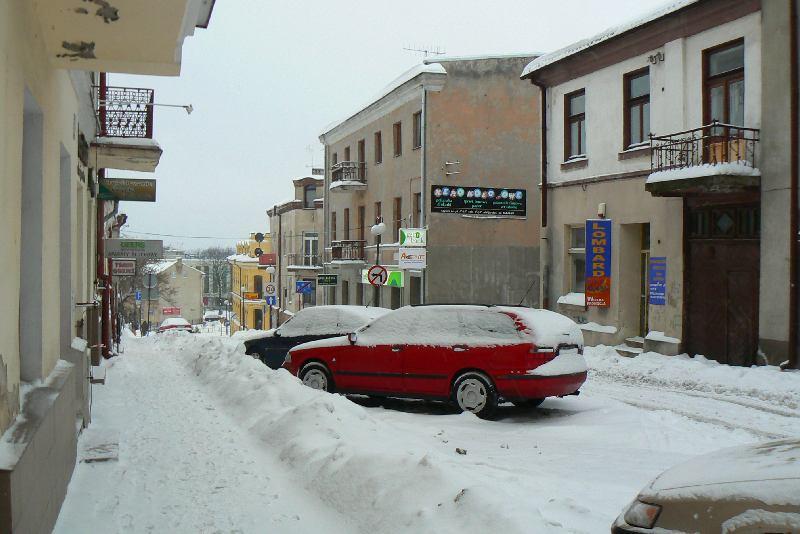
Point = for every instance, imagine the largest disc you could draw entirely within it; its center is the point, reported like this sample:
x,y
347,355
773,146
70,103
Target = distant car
x,y
175,324
473,356
211,316
745,489
309,324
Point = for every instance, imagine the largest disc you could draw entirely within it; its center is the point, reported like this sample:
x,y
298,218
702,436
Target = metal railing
x,y
125,112
349,171
350,249
304,260
711,144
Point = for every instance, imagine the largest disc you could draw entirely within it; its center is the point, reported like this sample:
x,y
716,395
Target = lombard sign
x,y
129,189
598,262
476,200
413,237
134,248
412,258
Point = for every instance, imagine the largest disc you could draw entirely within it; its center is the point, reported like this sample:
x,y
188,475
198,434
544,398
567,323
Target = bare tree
x,y
216,258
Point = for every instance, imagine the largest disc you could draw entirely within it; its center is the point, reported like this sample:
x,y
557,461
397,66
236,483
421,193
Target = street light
x,y
378,229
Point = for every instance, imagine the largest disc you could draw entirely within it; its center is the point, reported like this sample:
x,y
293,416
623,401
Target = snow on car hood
x,y
547,328
339,341
767,471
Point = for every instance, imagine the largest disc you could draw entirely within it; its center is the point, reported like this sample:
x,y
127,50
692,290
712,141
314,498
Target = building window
x,y
309,192
397,218
397,137
577,258
334,158
637,107
378,148
258,285
346,154
418,129
724,84
417,210
575,124
362,158
310,249
346,223
362,215
333,226
377,216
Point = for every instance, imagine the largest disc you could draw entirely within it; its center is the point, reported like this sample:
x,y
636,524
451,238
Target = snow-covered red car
x,y
474,356
175,324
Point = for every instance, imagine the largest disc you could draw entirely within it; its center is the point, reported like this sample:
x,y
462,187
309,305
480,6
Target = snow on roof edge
x,y
510,55
407,76
607,34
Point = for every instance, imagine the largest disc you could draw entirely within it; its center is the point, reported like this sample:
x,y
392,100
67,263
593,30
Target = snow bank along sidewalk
x,y
365,468
696,374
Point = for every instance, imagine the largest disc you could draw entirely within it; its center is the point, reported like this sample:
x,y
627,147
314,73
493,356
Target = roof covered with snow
x,y
611,33
509,55
407,76
242,258
328,320
158,267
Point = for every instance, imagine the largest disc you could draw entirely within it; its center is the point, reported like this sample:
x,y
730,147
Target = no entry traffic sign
x,y
377,275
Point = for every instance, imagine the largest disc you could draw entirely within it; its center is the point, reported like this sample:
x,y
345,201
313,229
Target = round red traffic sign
x,y
377,275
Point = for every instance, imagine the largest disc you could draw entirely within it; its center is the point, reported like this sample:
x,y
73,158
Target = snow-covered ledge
x,y
573,299
709,177
657,341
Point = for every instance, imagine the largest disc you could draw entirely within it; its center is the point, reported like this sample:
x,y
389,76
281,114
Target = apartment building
x,y
297,226
61,128
688,248
446,146
175,290
248,278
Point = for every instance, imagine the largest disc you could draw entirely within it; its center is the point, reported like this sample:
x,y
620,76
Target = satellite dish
x,y
259,237
259,252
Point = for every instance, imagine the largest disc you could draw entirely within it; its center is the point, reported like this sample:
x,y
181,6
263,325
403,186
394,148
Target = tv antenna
x,y
426,50
315,171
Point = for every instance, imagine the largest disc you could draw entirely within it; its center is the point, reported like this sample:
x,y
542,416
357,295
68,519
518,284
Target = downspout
x,y
422,180
544,250
279,267
792,363
105,314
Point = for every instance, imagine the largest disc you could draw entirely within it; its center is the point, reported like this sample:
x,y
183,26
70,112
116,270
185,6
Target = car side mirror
x,y
352,337
277,333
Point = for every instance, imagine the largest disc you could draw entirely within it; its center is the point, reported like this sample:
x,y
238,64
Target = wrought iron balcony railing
x,y
349,171
125,112
348,250
712,144
295,260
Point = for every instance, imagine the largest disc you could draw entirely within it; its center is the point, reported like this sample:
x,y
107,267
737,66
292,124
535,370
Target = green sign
x,y
413,237
395,278
327,279
127,189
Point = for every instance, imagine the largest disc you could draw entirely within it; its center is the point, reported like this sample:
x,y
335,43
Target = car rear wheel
x,y
474,392
316,376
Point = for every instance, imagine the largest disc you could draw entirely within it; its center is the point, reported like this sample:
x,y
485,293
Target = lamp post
x,y
378,229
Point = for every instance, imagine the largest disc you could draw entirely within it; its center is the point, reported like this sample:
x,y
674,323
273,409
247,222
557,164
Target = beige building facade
x,y
50,291
249,277
457,127
700,211
177,292
297,227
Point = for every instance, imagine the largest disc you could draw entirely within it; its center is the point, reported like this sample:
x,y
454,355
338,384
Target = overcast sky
x,y
266,77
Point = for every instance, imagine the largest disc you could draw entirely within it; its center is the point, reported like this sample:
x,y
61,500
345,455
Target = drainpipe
x,y
422,180
792,363
544,250
278,268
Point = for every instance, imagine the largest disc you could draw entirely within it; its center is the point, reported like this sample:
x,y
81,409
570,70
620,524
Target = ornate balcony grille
x,y
712,144
349,171
125,112
352,250
305,260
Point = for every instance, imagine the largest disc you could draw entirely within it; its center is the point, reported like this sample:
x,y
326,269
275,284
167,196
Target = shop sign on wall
x,y
657,281
474,200
598,263
412,258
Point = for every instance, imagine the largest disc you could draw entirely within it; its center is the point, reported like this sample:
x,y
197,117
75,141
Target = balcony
x,y
716,158
303,262
349,176
348,251
125,126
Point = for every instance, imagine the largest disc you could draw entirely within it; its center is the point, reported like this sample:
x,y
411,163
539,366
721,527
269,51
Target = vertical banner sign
x,y
657,281
598,263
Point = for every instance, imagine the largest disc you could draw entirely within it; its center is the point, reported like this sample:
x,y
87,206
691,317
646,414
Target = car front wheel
x,y
316,376
474,392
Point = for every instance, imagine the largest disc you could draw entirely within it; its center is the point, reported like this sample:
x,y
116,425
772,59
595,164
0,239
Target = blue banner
x,y
598,262
304,286
657,281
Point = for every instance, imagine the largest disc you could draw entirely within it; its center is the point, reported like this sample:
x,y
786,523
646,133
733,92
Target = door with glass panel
x,y
724,102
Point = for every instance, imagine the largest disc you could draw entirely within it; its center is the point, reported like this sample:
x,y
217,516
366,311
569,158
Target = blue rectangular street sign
x,y
272,301
657,281
304,286
138,295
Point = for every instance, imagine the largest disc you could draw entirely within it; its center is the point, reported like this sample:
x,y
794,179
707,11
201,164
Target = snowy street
x,y
191,435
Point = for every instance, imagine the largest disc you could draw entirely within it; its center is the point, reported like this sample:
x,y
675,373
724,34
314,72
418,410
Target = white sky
x,y
266,77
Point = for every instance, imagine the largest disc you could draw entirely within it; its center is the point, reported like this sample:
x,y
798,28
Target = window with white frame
x,y
310,248
577,258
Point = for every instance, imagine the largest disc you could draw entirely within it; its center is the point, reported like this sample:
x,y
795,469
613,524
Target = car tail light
x,y
538,355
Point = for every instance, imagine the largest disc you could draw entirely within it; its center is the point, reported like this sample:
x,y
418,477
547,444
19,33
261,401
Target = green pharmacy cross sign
x,y
413,237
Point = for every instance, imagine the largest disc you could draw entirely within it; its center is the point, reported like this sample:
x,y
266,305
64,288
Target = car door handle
x,y
459,348
396,348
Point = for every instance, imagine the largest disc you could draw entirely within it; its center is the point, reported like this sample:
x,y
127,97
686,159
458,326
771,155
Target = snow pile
x,y
573,299
766,383
364,467
596,327
736,168
759,519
